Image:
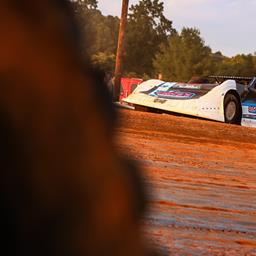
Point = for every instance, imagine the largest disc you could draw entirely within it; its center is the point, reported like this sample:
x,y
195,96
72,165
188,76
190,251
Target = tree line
x,y
153,46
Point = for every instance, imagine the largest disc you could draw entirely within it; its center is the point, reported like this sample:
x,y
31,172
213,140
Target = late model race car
x,y
227,99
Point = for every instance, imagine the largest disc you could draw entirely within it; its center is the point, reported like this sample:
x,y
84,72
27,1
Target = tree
x,y
184,56
254,60
105,61
84,5
99,33
148,28
105,33
240,65
84,11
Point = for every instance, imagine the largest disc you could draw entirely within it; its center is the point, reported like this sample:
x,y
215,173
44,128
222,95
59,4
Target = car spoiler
x,y
236,78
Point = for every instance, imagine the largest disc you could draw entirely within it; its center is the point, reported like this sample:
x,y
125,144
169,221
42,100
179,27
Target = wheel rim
x,y
230,110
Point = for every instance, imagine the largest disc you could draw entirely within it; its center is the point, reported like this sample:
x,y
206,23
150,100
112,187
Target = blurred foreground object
x,y
65,190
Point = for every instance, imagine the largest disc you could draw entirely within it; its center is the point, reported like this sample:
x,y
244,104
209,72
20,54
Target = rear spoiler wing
x,y
236,78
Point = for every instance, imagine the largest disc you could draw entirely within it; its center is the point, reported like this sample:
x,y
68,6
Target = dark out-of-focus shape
x,y
64,188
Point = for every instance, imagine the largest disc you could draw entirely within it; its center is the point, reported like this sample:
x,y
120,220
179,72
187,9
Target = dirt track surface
x,y
202,179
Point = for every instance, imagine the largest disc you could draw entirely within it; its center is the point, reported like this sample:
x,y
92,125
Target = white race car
x,y
227,99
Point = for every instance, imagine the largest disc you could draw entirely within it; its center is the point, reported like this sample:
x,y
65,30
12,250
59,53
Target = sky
x,y
228,26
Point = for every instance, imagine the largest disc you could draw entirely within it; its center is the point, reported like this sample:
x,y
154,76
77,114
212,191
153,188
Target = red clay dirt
x,y
202,181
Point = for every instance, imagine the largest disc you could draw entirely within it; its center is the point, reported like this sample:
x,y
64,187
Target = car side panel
x,y
209,106
249,113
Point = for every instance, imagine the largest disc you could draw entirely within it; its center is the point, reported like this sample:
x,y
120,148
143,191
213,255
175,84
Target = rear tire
x,y
232,109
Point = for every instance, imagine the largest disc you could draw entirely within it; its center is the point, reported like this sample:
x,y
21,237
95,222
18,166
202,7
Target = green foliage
x,y
106,61
105,33
84,5
240,65
254,59
131,74
152,45
148,28
99,33
185,56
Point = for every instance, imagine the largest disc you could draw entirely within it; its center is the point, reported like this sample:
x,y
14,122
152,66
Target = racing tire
x,y
232,109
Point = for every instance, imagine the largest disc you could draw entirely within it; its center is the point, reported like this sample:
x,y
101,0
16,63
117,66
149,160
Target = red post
x,y
120,50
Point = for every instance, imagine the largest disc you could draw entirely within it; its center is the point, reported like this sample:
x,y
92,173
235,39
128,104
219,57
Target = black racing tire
x,y
232,109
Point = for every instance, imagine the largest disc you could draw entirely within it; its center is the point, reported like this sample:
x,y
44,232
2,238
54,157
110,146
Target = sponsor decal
x,y
169,91
174,94
162,101
187,86
249,116
165,86
252,109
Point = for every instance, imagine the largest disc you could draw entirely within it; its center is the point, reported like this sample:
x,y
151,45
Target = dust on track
x,y
202,181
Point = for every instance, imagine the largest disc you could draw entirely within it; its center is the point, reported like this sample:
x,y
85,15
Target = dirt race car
x,y
227,99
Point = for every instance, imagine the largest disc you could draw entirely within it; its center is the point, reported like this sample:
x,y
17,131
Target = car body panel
x,y
249,113
128,85
202,100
